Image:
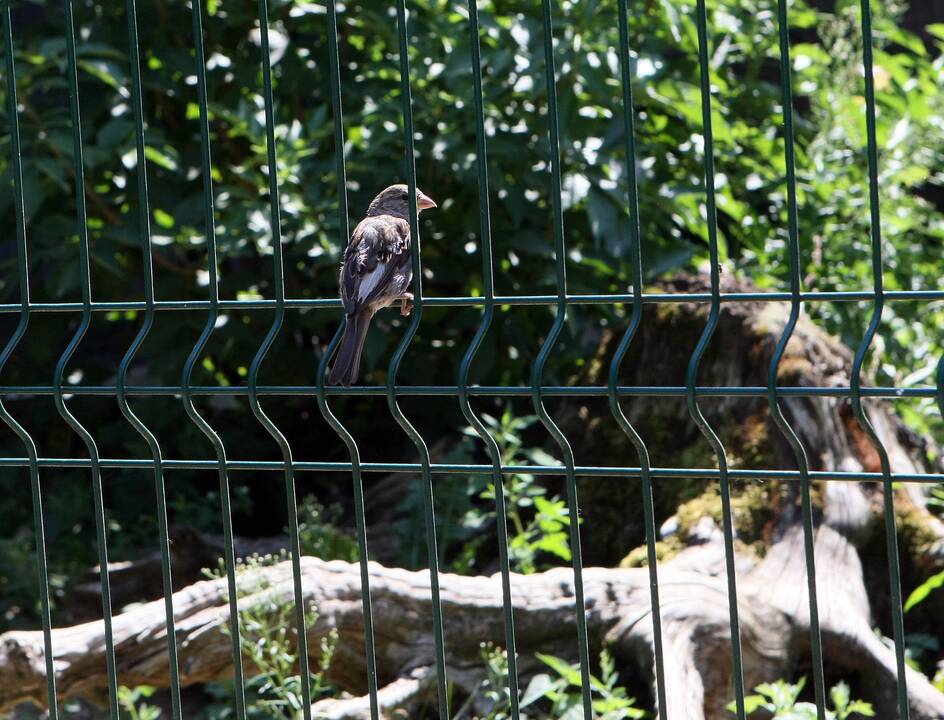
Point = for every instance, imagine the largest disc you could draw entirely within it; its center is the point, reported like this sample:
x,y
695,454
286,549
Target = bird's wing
x,y
379,248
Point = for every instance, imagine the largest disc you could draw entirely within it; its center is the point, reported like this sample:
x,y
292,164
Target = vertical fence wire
x,y
635,253
198,348
875,234
327,414
144,229
60,389
704,340
537,371
488,314
799,453
64,412
940,387
291,501
394,366
22,263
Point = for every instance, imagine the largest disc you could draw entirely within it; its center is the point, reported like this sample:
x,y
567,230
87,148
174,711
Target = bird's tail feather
x,y
348,359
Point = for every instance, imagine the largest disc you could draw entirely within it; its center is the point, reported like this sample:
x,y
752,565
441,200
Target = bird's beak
x,y
424,202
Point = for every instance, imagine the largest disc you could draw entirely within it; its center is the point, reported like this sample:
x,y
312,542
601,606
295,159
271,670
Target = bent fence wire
x,y
616,394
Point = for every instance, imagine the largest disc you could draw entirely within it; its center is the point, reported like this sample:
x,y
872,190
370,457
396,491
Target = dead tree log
x,y
773,607
773,602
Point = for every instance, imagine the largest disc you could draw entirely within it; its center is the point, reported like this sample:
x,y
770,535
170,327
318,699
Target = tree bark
x,y
852,581
772,602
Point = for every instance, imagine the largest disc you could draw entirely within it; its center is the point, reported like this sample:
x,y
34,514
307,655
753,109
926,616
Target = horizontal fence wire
x,y
589,471
19,392
463,391
502,301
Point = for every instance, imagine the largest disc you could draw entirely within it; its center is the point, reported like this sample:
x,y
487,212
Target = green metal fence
x,y
462,390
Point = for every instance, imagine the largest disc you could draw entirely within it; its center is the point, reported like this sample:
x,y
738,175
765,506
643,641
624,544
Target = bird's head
x,y
395,200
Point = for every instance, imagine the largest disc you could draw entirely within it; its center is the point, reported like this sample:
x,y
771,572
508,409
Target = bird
x,y
376,271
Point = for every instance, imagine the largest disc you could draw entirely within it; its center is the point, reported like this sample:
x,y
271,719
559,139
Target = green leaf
x,y
55,171
609,225
108,72
537,688
861,707
573,712
924,589
568,672
163,218
164,159
840,695
556,544
751,704
540,457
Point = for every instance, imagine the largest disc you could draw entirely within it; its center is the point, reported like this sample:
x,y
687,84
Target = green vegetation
x,y
750,182
551,695
318,532
779,701
268,640
132,701
538,520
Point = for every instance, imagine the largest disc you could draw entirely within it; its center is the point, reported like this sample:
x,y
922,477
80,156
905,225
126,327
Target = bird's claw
x,y
406,304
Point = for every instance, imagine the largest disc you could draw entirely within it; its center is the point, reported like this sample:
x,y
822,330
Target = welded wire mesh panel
x,y
210,310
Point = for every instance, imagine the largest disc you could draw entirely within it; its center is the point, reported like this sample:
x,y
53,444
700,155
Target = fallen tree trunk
x,y
773,614
140,579
852,581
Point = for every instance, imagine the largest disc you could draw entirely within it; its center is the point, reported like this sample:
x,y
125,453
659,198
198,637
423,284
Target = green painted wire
x,y
537,371
940,387
330,418
394,366
590,471
462,384
793,256
253,378
198,348
635,252
32,462
494,391
121,394
891,537
354,467
58,378
502,301
692,376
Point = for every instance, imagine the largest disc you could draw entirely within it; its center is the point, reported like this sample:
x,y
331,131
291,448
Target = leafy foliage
x,y
833,214
563,691
555,694
132,701
538,524
318,533
780,700
268,641
538,521
921,592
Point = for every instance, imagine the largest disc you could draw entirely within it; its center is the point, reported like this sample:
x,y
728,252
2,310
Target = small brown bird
x,y
376,271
